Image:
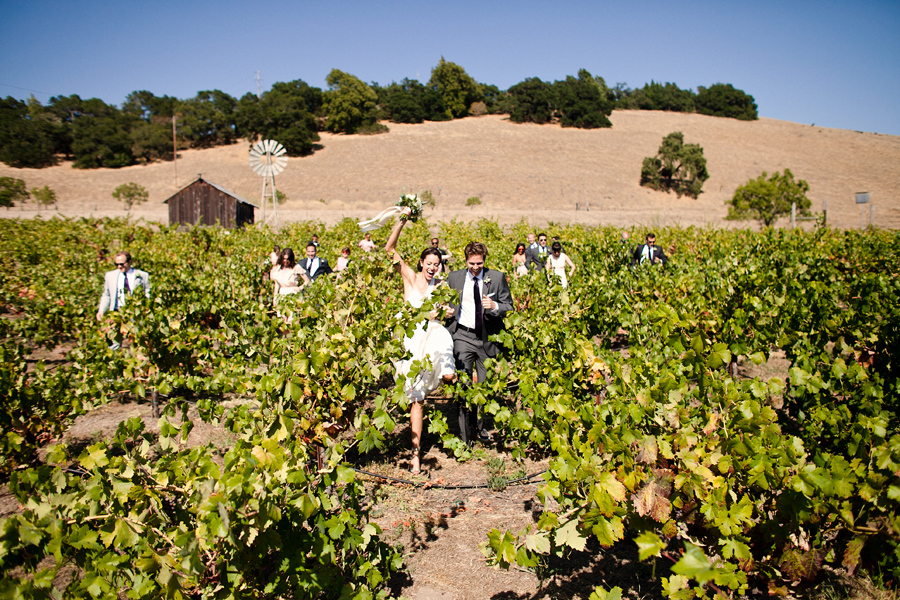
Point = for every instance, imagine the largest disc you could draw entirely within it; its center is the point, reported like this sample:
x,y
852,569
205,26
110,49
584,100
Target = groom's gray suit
x,y
469,349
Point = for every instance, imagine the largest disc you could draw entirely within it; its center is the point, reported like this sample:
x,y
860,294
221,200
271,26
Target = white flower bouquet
x,y
415,204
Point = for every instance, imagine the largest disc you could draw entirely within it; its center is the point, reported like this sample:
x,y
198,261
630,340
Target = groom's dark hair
x,y
476,248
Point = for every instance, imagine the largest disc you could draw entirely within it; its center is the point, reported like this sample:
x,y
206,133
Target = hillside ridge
x,y
536,172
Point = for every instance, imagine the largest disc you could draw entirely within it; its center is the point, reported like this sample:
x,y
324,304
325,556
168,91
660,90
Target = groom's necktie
x,y
479,314
126,286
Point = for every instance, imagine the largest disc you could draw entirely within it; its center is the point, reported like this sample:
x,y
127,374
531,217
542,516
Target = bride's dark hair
x,y
425,253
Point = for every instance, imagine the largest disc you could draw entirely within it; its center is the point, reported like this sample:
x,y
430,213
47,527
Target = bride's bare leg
x,y
415,418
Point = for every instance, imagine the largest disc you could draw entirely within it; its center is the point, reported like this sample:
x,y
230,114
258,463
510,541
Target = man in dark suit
x,y
649,253
537,253
484,299
314,264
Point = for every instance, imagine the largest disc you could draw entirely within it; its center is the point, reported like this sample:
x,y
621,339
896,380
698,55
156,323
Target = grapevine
x,y
627,380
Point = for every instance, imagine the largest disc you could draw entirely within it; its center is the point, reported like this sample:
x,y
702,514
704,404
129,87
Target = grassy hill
x,y
537,172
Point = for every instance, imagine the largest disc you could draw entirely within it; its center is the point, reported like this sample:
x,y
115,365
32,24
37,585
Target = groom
x,y
484,299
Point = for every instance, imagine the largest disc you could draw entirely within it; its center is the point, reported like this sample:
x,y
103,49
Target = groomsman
x,y
120,283
314,264
649,253
484,299
537,253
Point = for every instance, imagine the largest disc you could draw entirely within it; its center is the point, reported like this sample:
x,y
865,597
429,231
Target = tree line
x,y
95,134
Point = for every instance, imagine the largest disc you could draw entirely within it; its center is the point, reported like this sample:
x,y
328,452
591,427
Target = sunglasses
x,y
118,264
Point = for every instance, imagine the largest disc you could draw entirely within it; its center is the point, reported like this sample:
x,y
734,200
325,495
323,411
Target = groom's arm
x,y
504,298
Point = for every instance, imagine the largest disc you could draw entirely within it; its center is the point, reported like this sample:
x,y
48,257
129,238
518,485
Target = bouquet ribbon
x,y
378,221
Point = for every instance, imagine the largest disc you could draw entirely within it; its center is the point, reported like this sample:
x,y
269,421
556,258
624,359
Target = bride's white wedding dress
x,y
430,339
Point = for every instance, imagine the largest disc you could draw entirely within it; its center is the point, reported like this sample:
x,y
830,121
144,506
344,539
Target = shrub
x,y
723,100
372,129
677,167
492,97
434,107
473,201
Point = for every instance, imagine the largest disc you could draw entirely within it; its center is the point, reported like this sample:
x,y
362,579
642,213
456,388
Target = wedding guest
x,y
289,276
343,260
366,244
557,263
120,283
518,260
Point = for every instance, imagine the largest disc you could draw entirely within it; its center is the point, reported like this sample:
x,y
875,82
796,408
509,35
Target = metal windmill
x,y
267,159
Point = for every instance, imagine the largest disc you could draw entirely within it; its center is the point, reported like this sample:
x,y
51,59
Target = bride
x,y
430,339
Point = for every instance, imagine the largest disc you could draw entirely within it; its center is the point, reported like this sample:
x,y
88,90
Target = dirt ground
x,y
538,172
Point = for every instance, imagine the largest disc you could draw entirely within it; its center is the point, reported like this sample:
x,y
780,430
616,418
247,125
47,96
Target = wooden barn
x,y
204,203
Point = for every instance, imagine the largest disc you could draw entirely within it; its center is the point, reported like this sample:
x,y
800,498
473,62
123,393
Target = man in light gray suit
x,y
121,283
484,299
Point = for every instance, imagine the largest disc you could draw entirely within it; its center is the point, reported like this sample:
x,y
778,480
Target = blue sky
x,y
832,63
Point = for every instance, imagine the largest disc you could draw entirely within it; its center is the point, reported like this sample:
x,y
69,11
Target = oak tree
x,y
583,102
349,102
531,101
456,88
44,196
723,100
11,191
131,193
677,167
765,200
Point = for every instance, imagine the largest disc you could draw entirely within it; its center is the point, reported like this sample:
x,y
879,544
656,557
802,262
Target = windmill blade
x,y
279,150
277,167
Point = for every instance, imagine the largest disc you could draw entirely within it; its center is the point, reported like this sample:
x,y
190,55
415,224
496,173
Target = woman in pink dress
x,y
289,277
343,260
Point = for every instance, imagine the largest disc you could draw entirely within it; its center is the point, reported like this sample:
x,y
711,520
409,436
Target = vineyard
x,y
626,383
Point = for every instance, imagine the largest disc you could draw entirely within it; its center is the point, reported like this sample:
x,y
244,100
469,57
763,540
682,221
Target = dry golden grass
x,y
538,172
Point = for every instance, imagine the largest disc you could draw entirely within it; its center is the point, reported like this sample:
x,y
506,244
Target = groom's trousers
x,y
468,350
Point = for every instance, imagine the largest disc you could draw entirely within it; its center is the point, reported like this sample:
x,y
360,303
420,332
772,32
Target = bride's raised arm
x,y
391,246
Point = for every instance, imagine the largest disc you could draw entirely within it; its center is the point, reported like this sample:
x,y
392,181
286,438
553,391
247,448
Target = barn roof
x,y
215,185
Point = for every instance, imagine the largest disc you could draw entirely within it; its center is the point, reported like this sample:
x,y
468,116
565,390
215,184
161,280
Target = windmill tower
x,y
267,159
